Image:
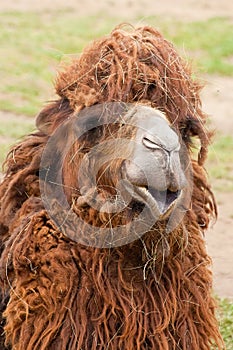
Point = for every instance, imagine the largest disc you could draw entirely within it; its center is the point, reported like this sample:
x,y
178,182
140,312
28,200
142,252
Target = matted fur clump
x,y
152,293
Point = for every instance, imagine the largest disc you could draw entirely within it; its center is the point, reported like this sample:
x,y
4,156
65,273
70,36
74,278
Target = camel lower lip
x,y
161,201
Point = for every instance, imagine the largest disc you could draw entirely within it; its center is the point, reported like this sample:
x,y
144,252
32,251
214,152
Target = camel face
x,y
129,170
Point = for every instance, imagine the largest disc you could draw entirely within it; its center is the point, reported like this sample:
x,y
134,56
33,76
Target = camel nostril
x,y
172,195
173,187
176,180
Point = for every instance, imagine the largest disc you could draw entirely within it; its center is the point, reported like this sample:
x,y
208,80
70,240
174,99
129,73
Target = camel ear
x,y
43,120
52,115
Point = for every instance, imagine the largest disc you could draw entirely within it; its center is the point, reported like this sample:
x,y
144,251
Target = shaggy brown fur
x,y
63,295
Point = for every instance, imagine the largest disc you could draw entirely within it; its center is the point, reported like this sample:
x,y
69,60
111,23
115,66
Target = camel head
x,y
116,166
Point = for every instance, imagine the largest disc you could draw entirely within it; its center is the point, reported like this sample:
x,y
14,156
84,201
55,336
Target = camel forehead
x,y
153,123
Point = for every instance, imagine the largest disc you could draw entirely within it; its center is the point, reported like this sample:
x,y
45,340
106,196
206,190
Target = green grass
x,y
226,322
32,45
15,129
208,42
220,162
12,129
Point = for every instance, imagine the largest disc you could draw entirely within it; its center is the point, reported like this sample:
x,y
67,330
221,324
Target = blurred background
x,y
36,36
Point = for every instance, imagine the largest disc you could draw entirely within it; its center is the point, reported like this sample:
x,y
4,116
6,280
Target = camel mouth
x,y
160,202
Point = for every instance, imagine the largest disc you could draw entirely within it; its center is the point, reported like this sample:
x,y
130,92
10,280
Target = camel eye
x,y
95,133
92,136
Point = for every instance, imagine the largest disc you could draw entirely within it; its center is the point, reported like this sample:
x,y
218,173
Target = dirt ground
x,y
217,97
